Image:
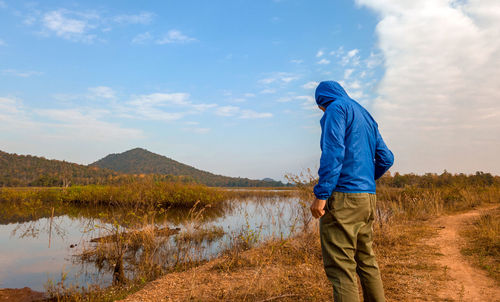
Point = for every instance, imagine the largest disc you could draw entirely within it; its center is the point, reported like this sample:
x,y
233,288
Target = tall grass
x,y
483,242
140,193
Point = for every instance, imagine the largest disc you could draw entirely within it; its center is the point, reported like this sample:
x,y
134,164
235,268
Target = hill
x,y
141,161
26,170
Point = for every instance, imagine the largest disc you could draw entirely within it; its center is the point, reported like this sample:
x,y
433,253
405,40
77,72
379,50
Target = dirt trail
x,y
467,283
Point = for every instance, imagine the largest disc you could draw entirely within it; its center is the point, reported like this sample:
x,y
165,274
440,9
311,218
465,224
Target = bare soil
x,y
463,281
20,295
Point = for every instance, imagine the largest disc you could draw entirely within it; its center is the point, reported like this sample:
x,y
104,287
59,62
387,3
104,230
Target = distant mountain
x,y
27,170
268,179
141,161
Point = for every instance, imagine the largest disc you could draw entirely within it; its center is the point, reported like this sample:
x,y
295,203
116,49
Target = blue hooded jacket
x,y
353,153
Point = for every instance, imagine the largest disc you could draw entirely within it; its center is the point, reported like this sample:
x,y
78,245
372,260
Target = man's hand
x,y
317,208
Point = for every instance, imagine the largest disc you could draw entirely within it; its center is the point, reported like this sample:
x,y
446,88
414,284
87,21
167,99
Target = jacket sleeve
x,y
383,157
333,150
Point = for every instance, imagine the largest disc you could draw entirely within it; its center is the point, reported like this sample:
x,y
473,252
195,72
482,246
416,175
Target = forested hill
x,y
27,170
141,161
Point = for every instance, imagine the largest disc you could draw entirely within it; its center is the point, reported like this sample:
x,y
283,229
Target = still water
x,y
34,252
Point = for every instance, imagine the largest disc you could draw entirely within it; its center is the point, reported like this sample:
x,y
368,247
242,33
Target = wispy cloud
x,y
250,114
268,91
310,85
75,124
102,92
3,4
241,113
70,25
197,130
351,57
175,36
162,106
279,78
20,73
81,26
324,62
142,38
347,73
141,18
2,43
320,53
227,110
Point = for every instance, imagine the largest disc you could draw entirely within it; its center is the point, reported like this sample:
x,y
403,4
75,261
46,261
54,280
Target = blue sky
x,y
225,86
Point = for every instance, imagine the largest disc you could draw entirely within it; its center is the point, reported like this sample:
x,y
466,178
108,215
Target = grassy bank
x,y
482,244
139,193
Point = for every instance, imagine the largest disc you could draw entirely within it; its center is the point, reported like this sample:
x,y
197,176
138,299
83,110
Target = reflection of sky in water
x,y
28,261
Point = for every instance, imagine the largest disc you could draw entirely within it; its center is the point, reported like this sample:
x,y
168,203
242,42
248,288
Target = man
x,y
353,157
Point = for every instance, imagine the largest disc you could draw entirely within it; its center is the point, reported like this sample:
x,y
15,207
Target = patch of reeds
x,y
158,193
201,234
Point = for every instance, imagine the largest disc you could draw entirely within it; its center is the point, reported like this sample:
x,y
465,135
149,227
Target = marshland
x,y
104,242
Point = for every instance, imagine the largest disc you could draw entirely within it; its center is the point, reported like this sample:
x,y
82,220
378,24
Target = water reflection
x,y
27,260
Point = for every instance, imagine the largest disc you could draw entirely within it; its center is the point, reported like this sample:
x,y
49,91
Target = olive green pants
x,y
346,245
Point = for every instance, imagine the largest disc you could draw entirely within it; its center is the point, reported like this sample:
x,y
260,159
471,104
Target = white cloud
x,y
267,80
295,61
438,103
22,74
175,36
279,77
352,53
250,114
351,57
84,124
141,18
227,110
241,113
197,130
320,53
76,125
268,91
70,25
374,60
161,99
310,85
3,4
324,62
2,43
102,92
249,95
142,38
162,106
9,105
347,73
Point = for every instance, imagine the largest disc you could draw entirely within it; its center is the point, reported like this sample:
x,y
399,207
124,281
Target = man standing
x,y
353,156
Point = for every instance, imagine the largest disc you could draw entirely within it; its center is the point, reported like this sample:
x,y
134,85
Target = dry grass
x,y
482,245
292,270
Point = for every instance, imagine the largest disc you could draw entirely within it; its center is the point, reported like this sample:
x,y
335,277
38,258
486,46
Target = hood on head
x,y
329,91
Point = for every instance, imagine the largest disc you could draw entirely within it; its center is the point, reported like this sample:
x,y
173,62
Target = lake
x,y
36,251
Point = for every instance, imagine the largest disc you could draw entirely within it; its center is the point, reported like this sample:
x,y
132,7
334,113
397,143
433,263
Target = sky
x,y
228,86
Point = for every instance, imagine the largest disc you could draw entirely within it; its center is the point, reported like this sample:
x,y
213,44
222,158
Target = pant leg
x,y
367,268
339,227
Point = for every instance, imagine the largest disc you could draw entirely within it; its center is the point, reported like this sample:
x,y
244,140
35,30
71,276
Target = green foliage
x,y
147,192
141,161
26,170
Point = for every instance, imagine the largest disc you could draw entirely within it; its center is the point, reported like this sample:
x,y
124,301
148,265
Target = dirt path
x,y
464,282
